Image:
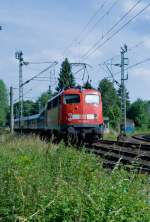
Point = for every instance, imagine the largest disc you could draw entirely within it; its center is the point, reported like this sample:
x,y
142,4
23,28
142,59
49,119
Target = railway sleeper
x,y
128,151
125,159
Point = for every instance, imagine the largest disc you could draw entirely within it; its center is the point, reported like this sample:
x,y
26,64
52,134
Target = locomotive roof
x,y
80,90
28,117
69,90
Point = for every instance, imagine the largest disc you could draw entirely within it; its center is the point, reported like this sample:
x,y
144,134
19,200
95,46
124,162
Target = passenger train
x,y
74,113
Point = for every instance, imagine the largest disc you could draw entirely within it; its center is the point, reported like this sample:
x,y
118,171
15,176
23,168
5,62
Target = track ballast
x,y
114,153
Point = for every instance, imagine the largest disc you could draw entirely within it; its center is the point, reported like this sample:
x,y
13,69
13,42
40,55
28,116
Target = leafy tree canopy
x,y
29,108
110,101
43,99
139,112
66,78
3,103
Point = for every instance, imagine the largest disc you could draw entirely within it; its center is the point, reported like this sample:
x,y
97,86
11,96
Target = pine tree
x,y
87,85
66,78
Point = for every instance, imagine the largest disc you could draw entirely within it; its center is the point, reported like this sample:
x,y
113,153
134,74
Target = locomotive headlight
x,y
91,116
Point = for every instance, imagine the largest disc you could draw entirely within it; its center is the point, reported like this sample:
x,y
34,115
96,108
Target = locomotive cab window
x,y
92,99
71,99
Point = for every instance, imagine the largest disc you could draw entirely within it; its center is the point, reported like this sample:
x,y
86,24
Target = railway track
x,y
142,138
132,155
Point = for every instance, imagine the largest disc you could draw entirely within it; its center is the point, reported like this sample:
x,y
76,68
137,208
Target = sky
x,y
51,30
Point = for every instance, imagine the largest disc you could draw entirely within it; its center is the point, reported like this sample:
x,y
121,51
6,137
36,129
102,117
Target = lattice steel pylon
x,y
123,89
19,56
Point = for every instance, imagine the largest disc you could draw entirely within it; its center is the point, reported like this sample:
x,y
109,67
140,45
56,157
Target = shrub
x,y
47,182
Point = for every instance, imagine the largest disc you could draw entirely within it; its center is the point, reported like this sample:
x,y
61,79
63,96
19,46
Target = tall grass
x,y
46,182
141,131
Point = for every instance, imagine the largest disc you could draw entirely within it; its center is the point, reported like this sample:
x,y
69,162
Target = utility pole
x,y
11,111
123,89
19,56
124,62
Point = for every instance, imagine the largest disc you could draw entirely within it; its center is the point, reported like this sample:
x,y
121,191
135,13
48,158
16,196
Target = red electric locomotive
x,y
82,113
75,113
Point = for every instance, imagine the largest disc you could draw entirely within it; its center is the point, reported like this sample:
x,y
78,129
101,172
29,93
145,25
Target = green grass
x,y
45,182
112,135
141,131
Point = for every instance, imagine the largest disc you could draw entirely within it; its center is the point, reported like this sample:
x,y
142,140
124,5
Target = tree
x,y
87,85
29,108
110,101
43,99
3,103
148,110
127,98
66,78
138,112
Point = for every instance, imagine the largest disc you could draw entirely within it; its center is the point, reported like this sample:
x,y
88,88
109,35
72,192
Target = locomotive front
x,y
81,114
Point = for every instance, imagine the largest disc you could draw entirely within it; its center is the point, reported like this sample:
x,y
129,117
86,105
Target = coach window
x,y
71,99
92,99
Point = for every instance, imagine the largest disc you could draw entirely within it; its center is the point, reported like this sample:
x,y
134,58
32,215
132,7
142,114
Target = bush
x,y
45,182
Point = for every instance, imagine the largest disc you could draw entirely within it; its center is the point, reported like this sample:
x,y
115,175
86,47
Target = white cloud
x,y
43,34
128,4
79,50
147,42
52,54
143,73
95,4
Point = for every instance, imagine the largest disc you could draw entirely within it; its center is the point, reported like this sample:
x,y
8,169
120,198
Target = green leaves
x,y
30,107
138,111
65,184
3,103
110,101
43,99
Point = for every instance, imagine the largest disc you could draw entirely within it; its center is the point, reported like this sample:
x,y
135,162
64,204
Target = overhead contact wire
x,y
88,53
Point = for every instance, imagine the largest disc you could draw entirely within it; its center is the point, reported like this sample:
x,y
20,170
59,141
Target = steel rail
x,y
116,153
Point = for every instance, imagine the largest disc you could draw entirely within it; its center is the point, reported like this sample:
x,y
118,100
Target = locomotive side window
x,y
92,99
71,99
